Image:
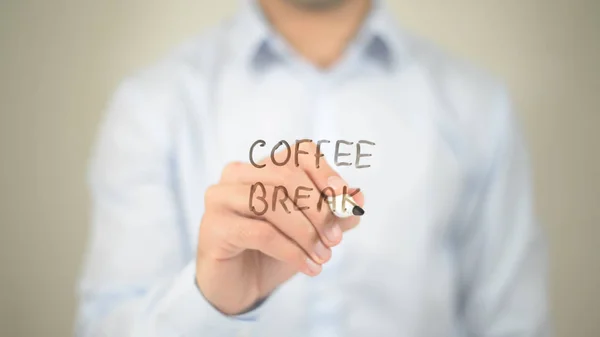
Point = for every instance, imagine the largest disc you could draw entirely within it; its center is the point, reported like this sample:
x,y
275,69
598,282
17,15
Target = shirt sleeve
x,y
139,272
501,249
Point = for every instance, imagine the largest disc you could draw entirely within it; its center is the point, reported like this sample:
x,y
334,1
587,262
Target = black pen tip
x,y
358,211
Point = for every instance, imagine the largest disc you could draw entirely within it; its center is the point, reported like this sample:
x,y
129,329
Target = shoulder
x,y
150,107
195,57
472,101
158,95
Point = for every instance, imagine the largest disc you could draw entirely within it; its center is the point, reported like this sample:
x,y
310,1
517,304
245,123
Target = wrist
x,y
224,296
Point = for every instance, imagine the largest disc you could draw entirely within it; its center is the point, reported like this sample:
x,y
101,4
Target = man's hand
x,y
243,257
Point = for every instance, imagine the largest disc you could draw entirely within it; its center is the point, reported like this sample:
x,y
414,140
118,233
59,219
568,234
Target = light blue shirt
x,y
449,245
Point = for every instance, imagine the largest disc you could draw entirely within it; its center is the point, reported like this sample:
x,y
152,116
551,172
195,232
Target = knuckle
x,y
231,169
210,195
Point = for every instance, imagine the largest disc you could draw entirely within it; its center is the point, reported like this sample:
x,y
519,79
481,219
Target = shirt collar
x,y
255,43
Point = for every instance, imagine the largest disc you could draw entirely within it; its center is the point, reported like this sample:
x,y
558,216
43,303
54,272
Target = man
x,y
191,233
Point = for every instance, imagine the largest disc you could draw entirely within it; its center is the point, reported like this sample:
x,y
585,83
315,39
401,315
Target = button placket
x,y
325,312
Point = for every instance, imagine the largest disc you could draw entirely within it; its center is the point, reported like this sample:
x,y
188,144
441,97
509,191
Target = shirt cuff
x,y
190,313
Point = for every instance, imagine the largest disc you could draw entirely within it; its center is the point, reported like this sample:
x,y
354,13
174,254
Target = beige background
x,y
60,59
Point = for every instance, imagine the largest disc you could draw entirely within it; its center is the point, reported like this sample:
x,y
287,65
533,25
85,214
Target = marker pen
x,y
344,206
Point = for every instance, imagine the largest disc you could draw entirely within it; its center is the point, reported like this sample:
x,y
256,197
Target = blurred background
x,y
60,60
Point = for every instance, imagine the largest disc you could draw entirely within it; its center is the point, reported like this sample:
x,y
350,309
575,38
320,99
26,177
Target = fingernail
x,y
313,267
334,233
322,252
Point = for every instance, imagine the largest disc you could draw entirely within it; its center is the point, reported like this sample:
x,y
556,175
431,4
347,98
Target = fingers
x,y
270,204
260,235
326,180
305,196
279,199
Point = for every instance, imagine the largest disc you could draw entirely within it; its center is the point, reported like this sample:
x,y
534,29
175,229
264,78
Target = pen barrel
x,y
344,206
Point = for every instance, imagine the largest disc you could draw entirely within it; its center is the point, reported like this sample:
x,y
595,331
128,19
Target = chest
x,y
407,170
385,130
